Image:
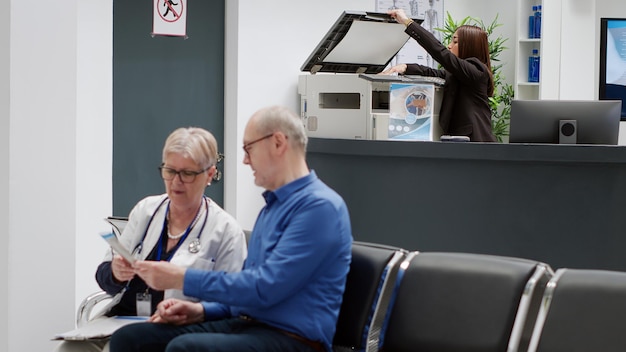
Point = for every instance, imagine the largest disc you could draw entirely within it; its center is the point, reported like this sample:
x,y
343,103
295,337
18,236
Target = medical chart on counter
x,y
432,13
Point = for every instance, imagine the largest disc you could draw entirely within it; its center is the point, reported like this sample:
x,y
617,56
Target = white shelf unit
x,y
524,48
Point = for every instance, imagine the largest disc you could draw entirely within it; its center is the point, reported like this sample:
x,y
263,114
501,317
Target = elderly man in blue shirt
x,y
288,295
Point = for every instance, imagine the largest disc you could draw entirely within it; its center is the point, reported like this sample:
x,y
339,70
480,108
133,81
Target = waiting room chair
x,y
86,308
368,288
582,310
453,302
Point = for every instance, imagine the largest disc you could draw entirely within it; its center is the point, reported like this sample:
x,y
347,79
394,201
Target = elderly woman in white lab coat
x,y
182,226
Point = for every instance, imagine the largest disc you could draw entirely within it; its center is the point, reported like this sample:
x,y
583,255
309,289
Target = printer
x,y
343,96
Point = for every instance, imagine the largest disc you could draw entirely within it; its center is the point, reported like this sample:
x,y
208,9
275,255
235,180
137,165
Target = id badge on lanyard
x,y
144,304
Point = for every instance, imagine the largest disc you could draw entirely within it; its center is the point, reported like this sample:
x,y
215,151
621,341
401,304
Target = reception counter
x,y
564,205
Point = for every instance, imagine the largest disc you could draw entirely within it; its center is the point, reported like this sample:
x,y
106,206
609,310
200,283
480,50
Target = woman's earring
x,y
217,176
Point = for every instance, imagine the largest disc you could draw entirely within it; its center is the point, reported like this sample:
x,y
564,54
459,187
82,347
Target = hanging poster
x,y
411,109
169,18
432,13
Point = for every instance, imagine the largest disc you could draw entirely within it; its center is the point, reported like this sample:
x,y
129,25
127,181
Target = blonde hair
x,y
193,142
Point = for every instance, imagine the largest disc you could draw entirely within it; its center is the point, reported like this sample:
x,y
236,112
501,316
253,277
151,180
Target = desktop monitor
x,y
565,121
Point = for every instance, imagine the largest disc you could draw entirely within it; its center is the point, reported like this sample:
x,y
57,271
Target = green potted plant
x,y
500,102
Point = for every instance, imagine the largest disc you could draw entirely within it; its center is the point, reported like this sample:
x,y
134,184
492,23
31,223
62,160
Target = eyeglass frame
x,y
179,173
246,147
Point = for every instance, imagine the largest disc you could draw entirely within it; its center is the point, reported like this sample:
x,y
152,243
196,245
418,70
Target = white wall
x,y
41,169
94,138
578,54
58,152
263,63
5,70
579,26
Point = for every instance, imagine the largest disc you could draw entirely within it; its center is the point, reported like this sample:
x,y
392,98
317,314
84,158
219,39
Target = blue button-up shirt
x,y
298,259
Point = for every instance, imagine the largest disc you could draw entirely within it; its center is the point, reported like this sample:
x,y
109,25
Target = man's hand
x,y
178,312
160,275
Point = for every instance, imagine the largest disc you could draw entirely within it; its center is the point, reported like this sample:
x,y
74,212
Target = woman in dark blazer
x,y
468,78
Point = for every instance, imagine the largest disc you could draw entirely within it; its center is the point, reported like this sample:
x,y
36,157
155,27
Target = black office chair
x,y
368,287
582,310
453,302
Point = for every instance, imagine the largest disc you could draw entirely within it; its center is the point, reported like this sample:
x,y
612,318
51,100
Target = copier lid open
x,y
358,42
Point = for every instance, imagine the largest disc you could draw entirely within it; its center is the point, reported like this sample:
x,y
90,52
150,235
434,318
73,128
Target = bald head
x,y
280,119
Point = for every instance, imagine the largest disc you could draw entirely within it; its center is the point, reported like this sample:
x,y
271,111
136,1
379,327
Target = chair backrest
x,y
449,302
582,310
118,223
368,287
99,302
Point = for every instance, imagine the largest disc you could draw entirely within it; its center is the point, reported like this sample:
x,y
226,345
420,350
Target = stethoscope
x,y
194,246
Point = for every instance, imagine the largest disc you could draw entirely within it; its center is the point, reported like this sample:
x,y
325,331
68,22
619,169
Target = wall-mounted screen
x,y
612,83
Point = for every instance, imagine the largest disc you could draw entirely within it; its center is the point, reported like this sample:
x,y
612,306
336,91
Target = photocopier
x,y
342,94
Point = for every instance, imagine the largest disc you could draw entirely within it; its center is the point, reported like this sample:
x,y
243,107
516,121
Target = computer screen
x,y
565,121
612,77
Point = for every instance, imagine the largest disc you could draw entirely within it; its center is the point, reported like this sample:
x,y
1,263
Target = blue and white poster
x,y
411,111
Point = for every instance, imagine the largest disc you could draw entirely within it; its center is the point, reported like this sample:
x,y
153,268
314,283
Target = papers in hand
x,y
99,328
117,246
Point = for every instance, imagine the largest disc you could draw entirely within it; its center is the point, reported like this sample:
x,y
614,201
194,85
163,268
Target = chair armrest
x,y
83,315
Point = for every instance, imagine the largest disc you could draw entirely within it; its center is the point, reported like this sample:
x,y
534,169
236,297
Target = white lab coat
x,y
222,241
222,247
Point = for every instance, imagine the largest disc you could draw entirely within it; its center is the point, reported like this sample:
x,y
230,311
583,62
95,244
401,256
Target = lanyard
x,y
195,243
164,233
194,246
